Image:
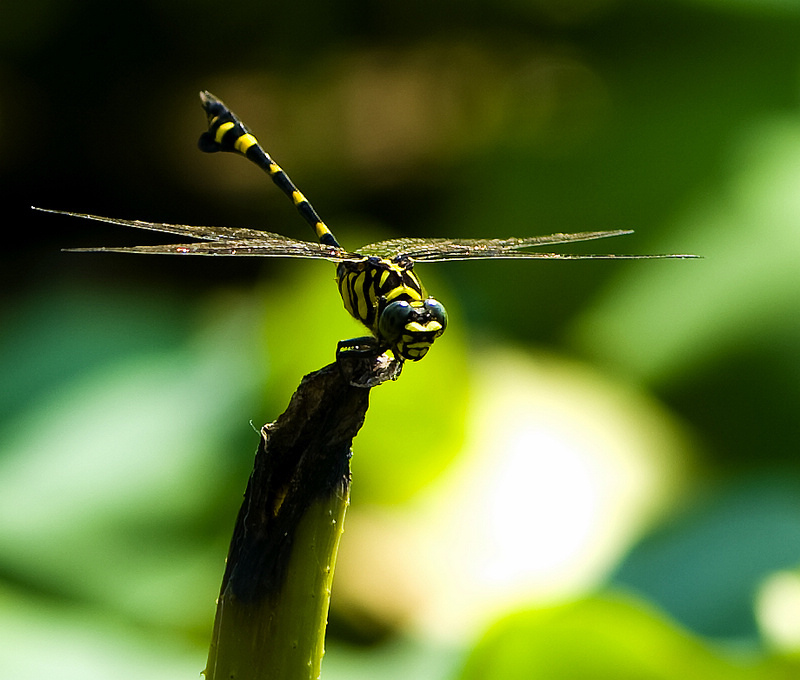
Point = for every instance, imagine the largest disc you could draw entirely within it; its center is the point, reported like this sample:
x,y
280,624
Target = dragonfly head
x,y
411,327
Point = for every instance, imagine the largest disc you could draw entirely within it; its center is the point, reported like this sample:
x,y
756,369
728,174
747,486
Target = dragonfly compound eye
x,y
437,313
394,318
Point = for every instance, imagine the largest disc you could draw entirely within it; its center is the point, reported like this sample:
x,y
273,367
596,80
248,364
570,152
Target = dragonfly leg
x,y
367,346
365,362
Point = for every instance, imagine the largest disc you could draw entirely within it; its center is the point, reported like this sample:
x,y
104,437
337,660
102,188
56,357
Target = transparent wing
x,y
424,248
220,241
264,247
208,233
442,249
510,255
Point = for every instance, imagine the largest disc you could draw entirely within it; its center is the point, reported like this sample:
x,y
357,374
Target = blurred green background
x,y
593,474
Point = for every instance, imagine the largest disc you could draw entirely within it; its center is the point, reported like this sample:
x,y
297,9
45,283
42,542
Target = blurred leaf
x,y
606,637
668,317
47,639
398,659
704,567
63,332
130,452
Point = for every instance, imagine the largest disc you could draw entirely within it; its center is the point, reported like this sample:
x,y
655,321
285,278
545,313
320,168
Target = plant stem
x,y
273,604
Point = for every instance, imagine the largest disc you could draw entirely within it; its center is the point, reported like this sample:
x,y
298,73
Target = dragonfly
x,y
377,283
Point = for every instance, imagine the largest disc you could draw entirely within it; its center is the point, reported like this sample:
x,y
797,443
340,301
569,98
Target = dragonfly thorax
x,y
388,298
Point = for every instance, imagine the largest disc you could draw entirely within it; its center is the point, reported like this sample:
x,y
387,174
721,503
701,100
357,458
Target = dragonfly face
x,y
410,328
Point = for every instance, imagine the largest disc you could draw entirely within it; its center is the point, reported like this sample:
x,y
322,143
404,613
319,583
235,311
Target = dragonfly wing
x,y
459,248
514,255
249,247
207,233
442,249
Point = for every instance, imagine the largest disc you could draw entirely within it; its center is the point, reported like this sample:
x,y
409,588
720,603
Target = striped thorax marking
x,y
368,286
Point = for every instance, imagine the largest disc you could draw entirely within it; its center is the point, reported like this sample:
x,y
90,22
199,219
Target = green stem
x,y
273,604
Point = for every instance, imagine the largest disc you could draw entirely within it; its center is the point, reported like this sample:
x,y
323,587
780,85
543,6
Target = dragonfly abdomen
x,y
227,133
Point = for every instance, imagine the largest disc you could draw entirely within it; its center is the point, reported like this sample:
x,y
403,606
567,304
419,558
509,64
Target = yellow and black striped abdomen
x,y
368,286
227,133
